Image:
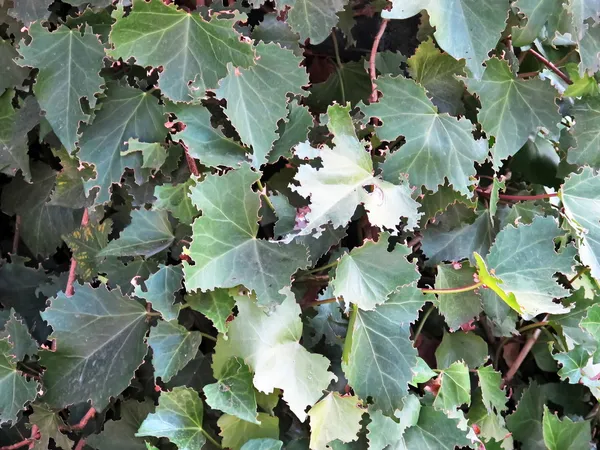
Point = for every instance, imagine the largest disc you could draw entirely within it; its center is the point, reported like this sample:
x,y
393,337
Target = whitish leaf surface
x,y
383,431
586,132
525,261
380,354
565,434
225,249
173,348
269,345
337,188
334,417
581,198
233,393
187,47
148,233
369,274
102,364
464,28
161,288
204,142
237,432
513,110
126,113
537,13
455,389
179,418
438,146
216,305
62,82
312,19
15,389
255,116
262,444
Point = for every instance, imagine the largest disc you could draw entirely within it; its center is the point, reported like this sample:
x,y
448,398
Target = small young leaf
x,y
334,417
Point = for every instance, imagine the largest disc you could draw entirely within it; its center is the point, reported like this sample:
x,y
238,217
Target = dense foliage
x,y
307,224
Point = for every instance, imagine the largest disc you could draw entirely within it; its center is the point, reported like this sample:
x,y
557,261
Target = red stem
x,y
80,444
35,434
517,198
374,49
84,420
550,66
15,245
70,290
191,162
523,353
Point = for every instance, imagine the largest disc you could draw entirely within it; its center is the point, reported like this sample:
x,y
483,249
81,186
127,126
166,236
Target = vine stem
x,y
336,49
518,198
212,440
80,444
422,322
471,287
550,66
35,435
348,340
321,302
321,268
524,352
372,70
263,193
84,420
70,290
578,275
208,336
15,243
191,162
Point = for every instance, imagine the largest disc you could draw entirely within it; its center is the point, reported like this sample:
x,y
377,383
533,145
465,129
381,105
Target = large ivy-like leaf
x,y
334,417
101,365
63,82
438,146
312,19
225,249
587,133
15,389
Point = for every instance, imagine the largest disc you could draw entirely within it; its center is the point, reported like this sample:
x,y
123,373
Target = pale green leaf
x,y
269,345
173,348
497,186
63,82
292,131
312,19
336,189
492,392
581,199
537,13
422,373
262,444
586,132
28,11
254,115
438,146
383,430
457,309
573,361
369,274
455,388
216,305
15,389
466,29
565,434
187,47
334,417
148,233
175,198
513,110
435,430
237,432
101,365
154,154
178,417
225,249
233,393
461,346
160,291
589,49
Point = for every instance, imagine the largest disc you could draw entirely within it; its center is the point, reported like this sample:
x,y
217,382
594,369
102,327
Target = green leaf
x,y
565,434
589,49
524,260
216,305
175,198
455,388
369,274
120,434
379,357
125,113
15,389
434,203
14,75
388,63
178,417
154,155
461,346
187,47
312,19
438,146
17,334
48,423
383,430
512,109
291,132
233,393
122,275
85,243
537,13
492,426
422,373
42,223
63,82
573,361
262,444
340,185
203,141
493,395
434,430
69,191
436,72
497,186
526,422
269,345
225,249
173,348
28,11
581,199
102,364
457,309
586,131
349,83
236,432
255,116
456,31
161,288
148,233
334,417
328,323
272,29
